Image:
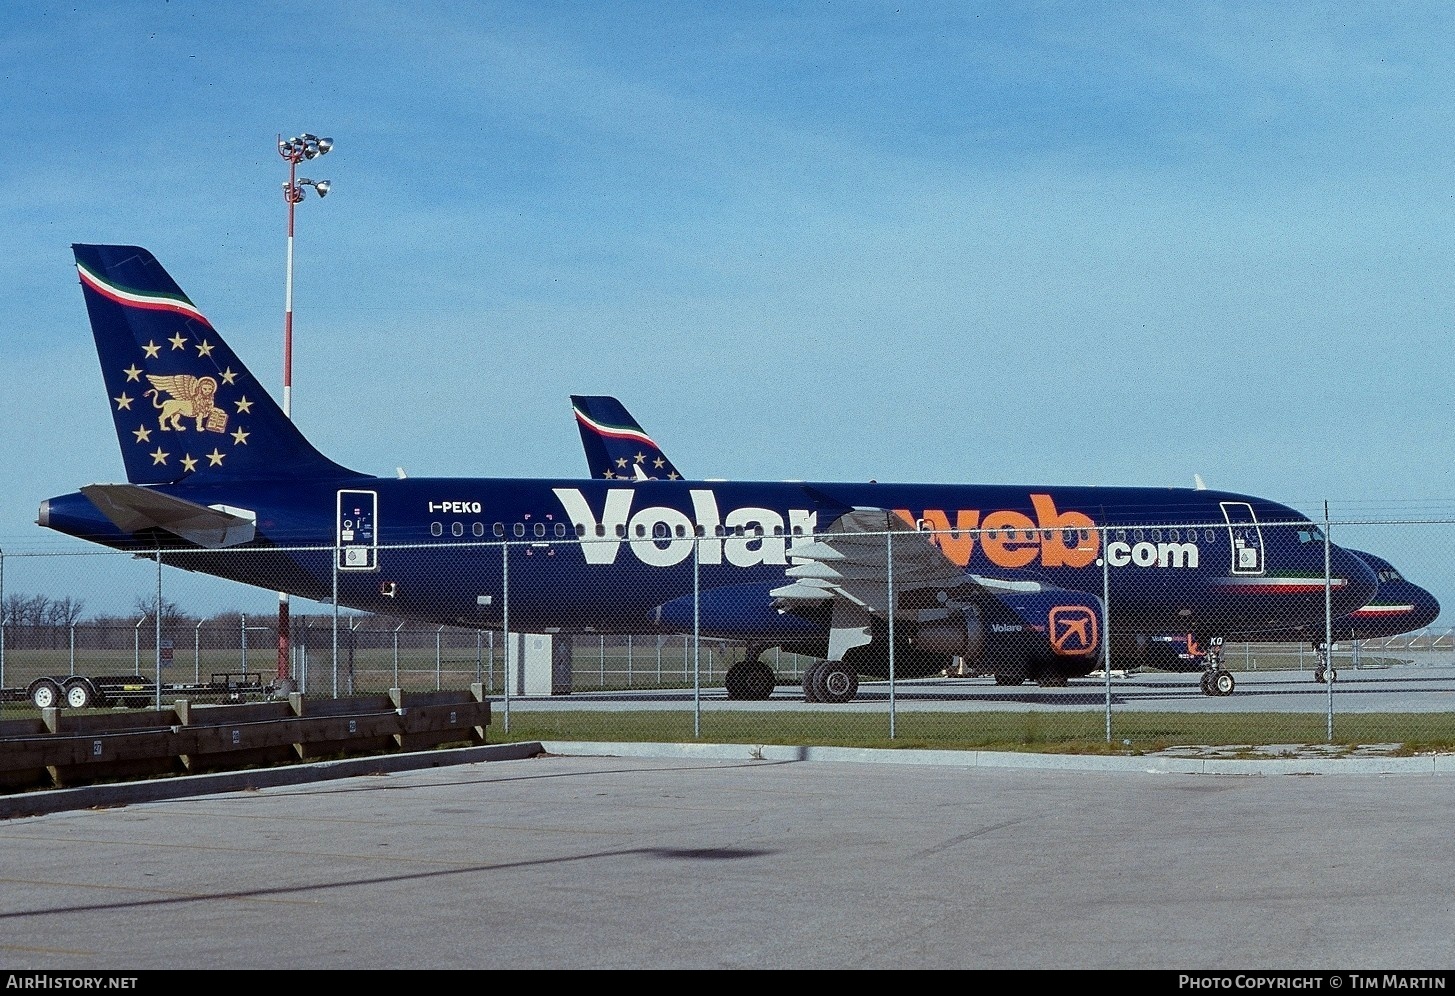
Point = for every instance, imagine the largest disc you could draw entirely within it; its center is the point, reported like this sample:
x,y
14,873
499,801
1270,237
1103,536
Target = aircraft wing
x,y
851,560
132,508
849,567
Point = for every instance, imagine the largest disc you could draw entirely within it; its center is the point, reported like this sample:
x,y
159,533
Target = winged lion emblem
x,y
187,397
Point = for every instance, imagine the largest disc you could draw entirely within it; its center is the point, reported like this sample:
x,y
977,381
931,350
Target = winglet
x,y
616,445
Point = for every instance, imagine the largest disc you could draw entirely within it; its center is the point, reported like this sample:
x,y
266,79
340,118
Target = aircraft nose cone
x,y
1427,609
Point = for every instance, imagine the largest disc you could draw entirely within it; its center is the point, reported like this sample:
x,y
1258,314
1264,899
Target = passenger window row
x,y
559,530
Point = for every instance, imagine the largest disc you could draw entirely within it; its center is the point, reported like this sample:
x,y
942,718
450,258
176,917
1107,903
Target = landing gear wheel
x,y
1319,674
811,681
1205,682
836,682
737,680
760,681
1051,678
79,696
45,694
1223,683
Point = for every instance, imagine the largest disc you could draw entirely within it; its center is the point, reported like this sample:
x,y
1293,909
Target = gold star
x,y
189,463
142,434
608,475
244,405
240,438
132,372
204,349
658,462
228,376
159,456
621,461
672,476
641,457
152,349
178,341
214,459
122,402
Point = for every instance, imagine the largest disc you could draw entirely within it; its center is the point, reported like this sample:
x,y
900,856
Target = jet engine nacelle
x,y
1023,633
959,634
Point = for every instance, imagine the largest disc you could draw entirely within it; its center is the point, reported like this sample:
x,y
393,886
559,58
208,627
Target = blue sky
x,y
1010,242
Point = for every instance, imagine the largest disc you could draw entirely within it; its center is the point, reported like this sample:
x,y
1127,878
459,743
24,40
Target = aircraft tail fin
x,y
182,402
616,445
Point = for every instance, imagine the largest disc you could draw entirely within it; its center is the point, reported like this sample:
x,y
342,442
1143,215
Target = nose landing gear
x,y
1216,680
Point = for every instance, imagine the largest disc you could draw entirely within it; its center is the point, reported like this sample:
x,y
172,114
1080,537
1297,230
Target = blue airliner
x,y
1397,607
871,579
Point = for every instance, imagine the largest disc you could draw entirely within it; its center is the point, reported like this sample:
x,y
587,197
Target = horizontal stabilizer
x,y
133,508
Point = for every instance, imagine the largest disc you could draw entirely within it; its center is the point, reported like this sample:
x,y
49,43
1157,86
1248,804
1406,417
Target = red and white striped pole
x,y
295,150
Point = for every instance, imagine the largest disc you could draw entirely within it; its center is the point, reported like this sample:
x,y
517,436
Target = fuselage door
x,y
1246,536
358,539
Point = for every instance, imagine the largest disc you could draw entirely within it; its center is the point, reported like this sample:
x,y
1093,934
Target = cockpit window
x,y
1310,534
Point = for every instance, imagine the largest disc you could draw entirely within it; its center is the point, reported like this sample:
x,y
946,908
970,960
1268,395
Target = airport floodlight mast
x,y
295,150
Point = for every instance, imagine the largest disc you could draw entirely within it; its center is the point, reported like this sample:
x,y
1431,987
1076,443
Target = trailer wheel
x,y
45,694
79,695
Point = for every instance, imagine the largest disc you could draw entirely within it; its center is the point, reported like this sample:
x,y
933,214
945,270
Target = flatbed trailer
x,y
77,691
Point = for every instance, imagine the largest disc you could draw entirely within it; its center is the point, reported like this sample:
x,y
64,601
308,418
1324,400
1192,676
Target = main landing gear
x,y
829,681
1215,679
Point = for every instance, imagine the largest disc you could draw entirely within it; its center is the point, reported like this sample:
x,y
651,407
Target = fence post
x,y
335,615
136,646
197,653
696,643
889,591
437,657
158,648
1328,627
505,625
72,642
396,655
1106,632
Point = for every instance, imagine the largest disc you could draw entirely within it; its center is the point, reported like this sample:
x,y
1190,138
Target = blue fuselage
x,y
605,556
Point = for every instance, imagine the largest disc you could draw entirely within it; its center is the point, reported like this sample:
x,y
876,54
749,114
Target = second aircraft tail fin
x,y
616,446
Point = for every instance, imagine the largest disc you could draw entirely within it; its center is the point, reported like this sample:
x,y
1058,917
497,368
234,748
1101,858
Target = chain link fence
x,y
726,636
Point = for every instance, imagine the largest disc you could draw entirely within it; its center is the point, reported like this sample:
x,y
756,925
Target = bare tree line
x,y
41,622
